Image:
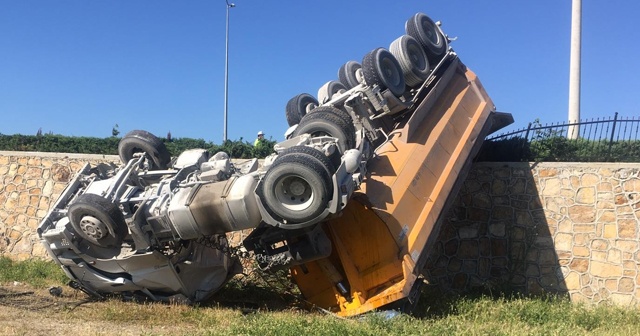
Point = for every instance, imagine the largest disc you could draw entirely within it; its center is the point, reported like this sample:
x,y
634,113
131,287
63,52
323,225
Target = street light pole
x,y
573,131
226,74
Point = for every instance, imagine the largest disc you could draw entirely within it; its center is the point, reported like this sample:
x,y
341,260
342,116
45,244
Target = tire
x,y
380,68
412,58
330,88
138,141
425,31
347,74
328,122
298,106
296,188
316,154
97,220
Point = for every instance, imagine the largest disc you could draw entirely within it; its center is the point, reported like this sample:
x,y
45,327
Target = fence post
x,y
524,143
613,130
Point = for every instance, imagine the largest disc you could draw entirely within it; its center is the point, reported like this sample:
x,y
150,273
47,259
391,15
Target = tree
x,y
115,131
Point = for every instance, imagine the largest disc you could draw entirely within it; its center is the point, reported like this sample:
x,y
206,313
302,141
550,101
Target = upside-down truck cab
x,y
381,240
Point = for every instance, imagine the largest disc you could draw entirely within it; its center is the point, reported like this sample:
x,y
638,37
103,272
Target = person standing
x,y
259,140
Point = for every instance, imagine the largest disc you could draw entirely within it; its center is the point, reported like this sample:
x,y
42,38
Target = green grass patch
x,y
436,314
35,272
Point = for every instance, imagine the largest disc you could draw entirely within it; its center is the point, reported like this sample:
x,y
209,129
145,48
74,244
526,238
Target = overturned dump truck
x,y
350,202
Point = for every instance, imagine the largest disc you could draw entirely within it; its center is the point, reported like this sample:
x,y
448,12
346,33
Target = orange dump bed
x,y
381,240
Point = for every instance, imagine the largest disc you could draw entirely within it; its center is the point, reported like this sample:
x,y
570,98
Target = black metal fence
x,y
614,139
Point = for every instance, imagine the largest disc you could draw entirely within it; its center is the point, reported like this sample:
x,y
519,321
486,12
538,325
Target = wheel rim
x,y
431,33
390,72
294,193
93,227
416,56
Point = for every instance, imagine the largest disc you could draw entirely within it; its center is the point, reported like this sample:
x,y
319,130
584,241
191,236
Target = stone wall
x,y
567,228
549,227
29,184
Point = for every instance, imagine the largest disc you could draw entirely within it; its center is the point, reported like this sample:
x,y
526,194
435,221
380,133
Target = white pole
x,y
574,69
226,74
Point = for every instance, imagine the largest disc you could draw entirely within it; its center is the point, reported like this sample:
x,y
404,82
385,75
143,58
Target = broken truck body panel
x,y
383,236
350,202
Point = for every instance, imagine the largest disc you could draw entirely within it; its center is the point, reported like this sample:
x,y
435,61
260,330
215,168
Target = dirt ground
x,y
28,311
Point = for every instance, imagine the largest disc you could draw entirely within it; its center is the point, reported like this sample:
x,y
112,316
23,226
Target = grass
x,y
37,273
437,314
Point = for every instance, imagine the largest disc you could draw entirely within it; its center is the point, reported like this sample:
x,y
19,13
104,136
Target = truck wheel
x,y
296,188
298,106
424,30
328,122
316,154
380,68
97,220
347,74
412,59
330,88
138,141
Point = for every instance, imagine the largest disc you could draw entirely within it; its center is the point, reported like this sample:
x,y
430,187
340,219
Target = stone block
x,y
502,213
604,186
599,255
585,279
47,190
33,173
580,251
620,200
468,232
563,241
626,285
547,172
589,180
547,257
579,265
455,265
606,216
34,161
572,281
582,214
605,270
610,231
499,247
620,299
470,266
532,270
604,204
551,186
627,228
497,229
627,245
631,185
523,218
611,285
600,244
499,187
586,195
518,187
481,200
468,249
60,173
614,256
586,228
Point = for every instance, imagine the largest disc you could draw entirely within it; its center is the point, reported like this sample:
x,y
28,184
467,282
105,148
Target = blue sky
x,y
78,67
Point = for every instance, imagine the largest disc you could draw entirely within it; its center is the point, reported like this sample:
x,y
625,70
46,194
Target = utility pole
x,y
226,74
573,132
